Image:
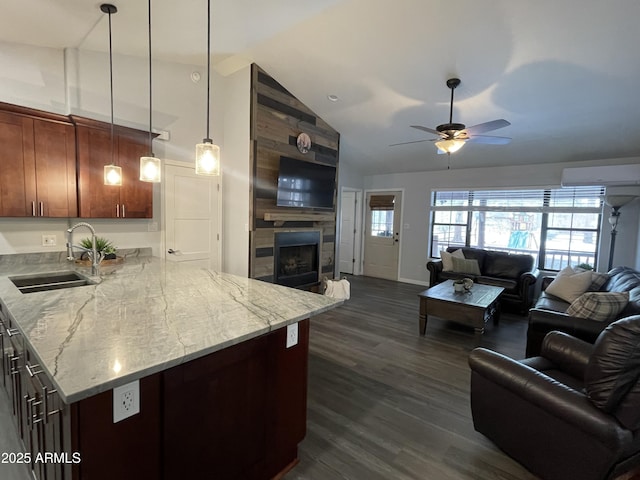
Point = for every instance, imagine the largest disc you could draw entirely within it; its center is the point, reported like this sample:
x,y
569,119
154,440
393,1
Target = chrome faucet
x,y
95,259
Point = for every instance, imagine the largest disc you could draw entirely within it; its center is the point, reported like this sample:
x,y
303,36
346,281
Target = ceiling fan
x,y
453,136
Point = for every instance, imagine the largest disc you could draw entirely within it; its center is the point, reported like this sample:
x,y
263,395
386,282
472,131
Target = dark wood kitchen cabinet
x,y
134,199
38,158
238,413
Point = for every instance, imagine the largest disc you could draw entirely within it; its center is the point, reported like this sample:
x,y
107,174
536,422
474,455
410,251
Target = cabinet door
x,y
55,160
17,181
95,199
136,197
215,414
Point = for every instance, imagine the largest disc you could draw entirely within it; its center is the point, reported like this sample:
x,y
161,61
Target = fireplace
x,y
297,258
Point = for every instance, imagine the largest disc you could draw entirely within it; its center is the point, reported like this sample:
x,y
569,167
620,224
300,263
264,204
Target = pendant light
x,y
150,166
112,172
208,154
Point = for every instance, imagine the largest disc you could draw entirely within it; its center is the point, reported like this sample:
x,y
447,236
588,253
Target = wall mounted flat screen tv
x,y
305,184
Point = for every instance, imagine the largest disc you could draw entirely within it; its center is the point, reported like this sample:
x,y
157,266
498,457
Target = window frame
x,y
547,195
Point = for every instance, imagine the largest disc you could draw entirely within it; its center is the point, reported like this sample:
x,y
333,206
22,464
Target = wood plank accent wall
x,y
277,118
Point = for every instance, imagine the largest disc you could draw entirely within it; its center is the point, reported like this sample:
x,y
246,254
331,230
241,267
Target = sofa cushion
x,y
472,253
549,302
626,279
447,259
465,265
599,306
569,285
505,265
506,283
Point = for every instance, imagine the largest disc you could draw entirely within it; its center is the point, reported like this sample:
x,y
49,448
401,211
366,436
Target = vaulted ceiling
x,y
563,72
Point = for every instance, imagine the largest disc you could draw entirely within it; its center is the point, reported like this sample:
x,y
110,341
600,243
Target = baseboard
x,y
414,282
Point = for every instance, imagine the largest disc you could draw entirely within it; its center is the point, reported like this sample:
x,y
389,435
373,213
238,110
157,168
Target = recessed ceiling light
x,y
333,98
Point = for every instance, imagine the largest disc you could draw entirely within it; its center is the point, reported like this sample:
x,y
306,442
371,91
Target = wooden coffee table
x,y
472,308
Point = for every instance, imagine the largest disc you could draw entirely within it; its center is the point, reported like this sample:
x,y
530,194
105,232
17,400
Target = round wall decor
x,y
304,143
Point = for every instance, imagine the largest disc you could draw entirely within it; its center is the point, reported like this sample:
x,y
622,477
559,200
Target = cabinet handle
x,y
123,215
32,370
33,209
117,211
41,209
13,331
45,404
14,370
32,418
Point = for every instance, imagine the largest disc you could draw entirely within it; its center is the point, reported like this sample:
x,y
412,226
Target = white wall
x,y
235,173
77,82
418,185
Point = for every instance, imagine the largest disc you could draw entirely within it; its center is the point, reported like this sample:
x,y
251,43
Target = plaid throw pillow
x,y
599,306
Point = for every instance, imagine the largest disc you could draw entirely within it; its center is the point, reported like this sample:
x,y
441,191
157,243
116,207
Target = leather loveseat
x,y
571,412
516,273
549,312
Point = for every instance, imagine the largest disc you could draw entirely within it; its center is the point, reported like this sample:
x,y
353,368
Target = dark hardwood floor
x,y
387,403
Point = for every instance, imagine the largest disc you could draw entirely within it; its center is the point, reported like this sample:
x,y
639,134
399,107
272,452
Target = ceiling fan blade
x,y
487,127
428,130
488,140
406,143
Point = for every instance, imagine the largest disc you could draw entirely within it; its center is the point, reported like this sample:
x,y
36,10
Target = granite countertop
x,y
141,317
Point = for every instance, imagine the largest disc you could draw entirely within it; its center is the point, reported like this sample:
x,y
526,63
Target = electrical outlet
x,y
126,401
292,335
48,240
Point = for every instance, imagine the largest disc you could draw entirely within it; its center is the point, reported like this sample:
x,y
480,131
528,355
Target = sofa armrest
x,y
559,400
568,353
434,267
543,321
546,280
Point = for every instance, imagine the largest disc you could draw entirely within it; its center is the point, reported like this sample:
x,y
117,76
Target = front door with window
x,y
382,234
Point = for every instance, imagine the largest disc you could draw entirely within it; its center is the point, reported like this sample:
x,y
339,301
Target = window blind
x,y
560,200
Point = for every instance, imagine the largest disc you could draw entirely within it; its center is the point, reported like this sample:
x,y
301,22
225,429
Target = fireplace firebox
x,y
297,258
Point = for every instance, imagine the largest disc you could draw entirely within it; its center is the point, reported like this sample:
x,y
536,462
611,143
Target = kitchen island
x,y
221,394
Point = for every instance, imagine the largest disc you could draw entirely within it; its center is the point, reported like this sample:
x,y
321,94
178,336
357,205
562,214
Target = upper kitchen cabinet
x,y
38,158
134,199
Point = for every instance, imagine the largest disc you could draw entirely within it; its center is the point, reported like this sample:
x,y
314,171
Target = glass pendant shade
x,y
207,159
450,146
113,175
150,170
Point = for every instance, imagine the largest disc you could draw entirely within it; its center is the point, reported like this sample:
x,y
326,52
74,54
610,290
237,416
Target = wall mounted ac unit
x,y
609,175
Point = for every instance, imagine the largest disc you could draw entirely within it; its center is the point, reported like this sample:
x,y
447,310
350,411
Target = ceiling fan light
x,y
150,169
450,145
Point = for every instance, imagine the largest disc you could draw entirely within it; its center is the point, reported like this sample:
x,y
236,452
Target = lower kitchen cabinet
x,y
238,413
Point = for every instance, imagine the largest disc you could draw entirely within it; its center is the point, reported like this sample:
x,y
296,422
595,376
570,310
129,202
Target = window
x,y
559,227
382,207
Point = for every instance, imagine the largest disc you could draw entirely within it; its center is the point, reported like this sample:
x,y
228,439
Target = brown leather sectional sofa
x,y
549,312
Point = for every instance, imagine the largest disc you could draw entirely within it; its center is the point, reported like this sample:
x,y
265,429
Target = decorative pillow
x,y
447,262
569,285
598,279
599,306
466,265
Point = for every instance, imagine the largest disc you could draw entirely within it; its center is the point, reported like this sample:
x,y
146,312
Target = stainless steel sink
x,y
42,282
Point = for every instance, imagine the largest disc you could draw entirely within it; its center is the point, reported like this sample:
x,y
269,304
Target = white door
x,y
382,234
192,216
348,205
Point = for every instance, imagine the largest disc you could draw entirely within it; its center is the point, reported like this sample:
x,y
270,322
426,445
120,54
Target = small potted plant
x,y
104,247
584,266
